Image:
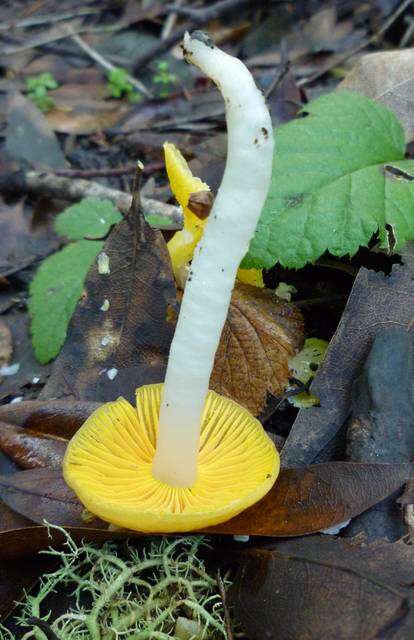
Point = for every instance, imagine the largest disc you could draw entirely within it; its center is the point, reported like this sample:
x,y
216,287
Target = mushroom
x,y
185,188
187,458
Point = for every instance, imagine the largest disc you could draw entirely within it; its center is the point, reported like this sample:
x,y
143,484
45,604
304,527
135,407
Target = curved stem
x,y
229,229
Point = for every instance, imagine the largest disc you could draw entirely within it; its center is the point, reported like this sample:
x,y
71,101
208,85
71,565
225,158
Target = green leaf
x,y
90,218
332,186
303,367
54,293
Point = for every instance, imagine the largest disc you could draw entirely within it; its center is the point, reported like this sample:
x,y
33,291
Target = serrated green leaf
x,y
90,218
331,189
54,293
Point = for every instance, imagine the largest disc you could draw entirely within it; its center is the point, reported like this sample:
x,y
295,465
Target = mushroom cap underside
x,y
108,464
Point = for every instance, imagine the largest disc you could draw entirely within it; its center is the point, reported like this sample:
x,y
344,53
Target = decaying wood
x,y
158,214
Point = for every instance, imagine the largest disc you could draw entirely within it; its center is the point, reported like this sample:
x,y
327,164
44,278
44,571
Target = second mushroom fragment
x,y
186,458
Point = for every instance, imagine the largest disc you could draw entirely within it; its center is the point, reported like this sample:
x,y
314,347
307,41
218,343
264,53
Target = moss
x,y
138,595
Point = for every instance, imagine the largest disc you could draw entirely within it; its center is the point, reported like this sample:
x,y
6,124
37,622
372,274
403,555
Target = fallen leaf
x,y
42,495
5,345
376,300
285,100
30,449
260,335
21,542
303,501
80,116
29,136
30,374
323,32
10,519
119,336
52,417
388,77
315,498
26,239
321,588
380,428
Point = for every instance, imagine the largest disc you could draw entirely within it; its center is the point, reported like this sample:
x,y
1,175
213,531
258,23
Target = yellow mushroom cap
x,y
108,464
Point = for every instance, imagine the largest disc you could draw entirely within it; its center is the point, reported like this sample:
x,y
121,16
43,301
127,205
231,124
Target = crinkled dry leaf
x,y
387,76
261,333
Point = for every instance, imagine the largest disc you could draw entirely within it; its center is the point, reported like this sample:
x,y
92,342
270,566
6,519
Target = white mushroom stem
x,y
210,283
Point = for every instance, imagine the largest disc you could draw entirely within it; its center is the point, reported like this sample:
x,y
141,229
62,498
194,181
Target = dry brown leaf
x,y
84,120
325,588
387,77
78,112
132,338
302,502
31,449
260,334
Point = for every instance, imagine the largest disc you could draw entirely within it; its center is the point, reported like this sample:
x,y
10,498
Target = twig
x,y
227,620
157,214
105,64
105,172
284,69
202,17
38,20
170,22
324,300
55,35
209,13
339,60
408,32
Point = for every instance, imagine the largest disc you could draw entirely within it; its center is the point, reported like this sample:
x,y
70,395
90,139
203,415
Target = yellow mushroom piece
x,y
109,466
182,244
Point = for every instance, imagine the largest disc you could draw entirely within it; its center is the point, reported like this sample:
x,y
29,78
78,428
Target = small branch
x,y
339,60
157,214
207,14
106,172
105,64
49,19
227,620
170,22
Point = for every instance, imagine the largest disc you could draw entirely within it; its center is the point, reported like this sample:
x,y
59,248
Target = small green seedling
x,y
37,88
164,77
303,366
120,86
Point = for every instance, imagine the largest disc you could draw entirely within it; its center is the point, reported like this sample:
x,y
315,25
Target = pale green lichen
x,y
151,592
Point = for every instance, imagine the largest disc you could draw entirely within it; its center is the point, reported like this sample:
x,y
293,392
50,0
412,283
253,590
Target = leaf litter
x,y
191,116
